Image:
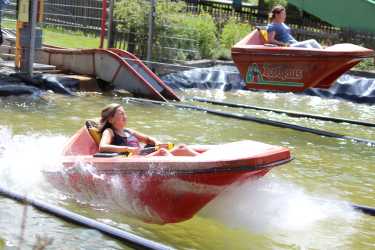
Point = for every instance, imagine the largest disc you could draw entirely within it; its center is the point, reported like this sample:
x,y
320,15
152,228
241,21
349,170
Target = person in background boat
x,y
279,32
116,137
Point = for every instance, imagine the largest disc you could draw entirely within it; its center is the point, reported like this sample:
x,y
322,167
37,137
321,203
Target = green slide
x,y
358,15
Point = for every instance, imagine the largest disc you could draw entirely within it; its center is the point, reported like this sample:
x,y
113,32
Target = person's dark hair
x,y
275,10
106,114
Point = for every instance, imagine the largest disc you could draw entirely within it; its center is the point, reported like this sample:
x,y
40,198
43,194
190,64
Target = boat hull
x,y
293,69
152,198
161,189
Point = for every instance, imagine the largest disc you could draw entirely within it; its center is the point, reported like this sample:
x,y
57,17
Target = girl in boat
x,y
116,137
279,32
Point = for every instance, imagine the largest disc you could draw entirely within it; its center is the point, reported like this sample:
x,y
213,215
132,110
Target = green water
x,y
296,206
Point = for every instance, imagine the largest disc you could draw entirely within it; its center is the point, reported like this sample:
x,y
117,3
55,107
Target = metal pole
x,y
103,22
110,25
32,23
151,20
130,239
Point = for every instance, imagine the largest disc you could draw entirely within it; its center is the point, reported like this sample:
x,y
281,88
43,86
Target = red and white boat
x,y
267,67
162,189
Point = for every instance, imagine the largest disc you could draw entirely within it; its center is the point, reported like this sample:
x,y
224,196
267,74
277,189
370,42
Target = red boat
x,y
264,66
161,189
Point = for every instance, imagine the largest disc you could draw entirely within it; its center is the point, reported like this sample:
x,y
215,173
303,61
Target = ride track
x,y
121,69
131,240
258,120
288,113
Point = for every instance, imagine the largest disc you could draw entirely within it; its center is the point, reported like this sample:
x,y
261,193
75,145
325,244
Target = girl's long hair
x,y
275,10
106,114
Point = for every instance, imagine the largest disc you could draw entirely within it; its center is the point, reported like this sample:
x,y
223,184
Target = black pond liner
x,y
347,87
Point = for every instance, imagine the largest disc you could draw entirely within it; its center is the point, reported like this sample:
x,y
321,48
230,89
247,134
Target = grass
x,y
69,39
2,244
61,37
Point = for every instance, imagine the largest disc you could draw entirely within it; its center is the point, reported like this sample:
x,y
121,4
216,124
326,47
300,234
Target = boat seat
x,y
93,128
263,33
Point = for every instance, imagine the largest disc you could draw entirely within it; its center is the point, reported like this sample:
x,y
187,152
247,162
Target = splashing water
x,y
22,157
103,191
285,211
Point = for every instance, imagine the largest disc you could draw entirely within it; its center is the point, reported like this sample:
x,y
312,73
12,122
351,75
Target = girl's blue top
x,y
282,32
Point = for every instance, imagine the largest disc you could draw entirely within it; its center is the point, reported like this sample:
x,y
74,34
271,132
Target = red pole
x,y
104,19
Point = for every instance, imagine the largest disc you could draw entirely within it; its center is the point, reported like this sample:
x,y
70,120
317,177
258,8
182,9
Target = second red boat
x,y
263,66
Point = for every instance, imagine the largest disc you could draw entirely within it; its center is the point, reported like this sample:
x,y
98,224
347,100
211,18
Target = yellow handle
x,y
168,146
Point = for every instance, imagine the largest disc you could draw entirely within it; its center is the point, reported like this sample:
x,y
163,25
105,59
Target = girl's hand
x,y
132,150
152,141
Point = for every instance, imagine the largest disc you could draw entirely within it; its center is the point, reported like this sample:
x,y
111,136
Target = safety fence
x,y
166,47
77,15
304,26
85,16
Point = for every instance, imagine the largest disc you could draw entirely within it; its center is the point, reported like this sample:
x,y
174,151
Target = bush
x,y
367,64
233,32
272,3
222,54
200,28
177,35
132,14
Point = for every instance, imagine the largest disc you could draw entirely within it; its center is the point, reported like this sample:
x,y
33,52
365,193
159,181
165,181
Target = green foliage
x,y
133,14
173,29
233,31
367,64
2,244
222,54
271,3
200,28
251,1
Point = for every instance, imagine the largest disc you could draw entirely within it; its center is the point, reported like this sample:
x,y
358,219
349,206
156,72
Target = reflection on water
x,y
278,212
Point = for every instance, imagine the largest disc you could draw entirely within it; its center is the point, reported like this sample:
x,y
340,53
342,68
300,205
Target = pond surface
x,y
296,206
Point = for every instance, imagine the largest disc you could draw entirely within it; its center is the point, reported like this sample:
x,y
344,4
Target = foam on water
x,y
284,211
22,157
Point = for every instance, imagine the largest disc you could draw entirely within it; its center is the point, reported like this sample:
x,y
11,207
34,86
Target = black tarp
x,y
348,87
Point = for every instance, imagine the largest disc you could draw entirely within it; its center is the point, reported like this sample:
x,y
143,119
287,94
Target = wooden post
x,y
17,60
110,25
151,21
103,26
32,23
